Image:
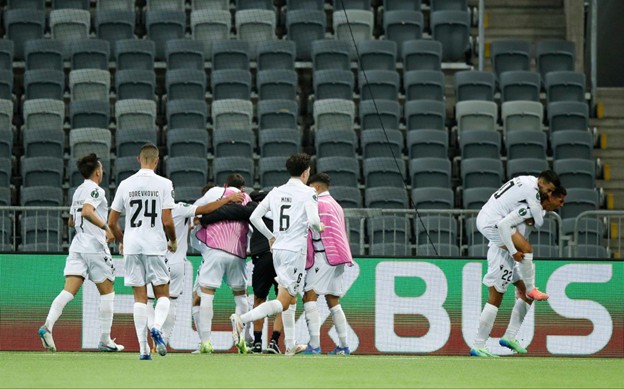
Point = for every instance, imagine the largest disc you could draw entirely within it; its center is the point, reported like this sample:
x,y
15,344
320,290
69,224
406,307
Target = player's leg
x,y
278,328
313,320
236,276
520,309
107,304
209,279
261,281
340,322
135,278
526,267
72,286
176,286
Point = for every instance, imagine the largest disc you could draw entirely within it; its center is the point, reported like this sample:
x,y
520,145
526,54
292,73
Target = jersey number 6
x,y
284,218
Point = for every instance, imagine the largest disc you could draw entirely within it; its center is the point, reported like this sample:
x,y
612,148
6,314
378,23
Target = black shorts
x,y
263,275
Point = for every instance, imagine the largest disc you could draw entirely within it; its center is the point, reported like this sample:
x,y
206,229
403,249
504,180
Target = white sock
x,y
340,322
150,313
520,310
161,311
313,318
288,318
167,327
486,322
56,309
195,315
527,271
263,310
140,325
107,302
242,306
205,316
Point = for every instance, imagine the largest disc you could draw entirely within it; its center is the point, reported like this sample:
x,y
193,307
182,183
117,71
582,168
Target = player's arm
x,y
88,212
167,221
216,205
70,221
314,220
113,224
535,207
229,212
256,219
506,225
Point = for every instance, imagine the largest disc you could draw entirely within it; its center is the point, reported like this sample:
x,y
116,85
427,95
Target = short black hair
x,y
551,177
258,195
207,187
235,180
87,165
559,191
322,178
297,164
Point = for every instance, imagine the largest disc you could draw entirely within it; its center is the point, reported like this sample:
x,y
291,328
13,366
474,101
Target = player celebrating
x,y
147,200
89,255
294,207
327,254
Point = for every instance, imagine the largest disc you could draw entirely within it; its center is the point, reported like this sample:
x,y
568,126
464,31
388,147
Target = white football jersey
x,y
89,238
519,192
287,204
143,196
183,215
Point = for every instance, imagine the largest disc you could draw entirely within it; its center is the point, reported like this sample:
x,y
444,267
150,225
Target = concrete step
x,y
612,123
613,155
533,4
612,101
525,18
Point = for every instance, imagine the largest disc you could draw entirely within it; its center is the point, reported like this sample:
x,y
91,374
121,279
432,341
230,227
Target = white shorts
x,y
487,228
144,269
176,285
96,267
324,278
290,269
502,269
217,266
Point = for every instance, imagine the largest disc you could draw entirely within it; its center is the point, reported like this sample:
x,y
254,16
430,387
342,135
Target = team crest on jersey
x,y
185,205
315,197
172,194
522,212
95,194
537,196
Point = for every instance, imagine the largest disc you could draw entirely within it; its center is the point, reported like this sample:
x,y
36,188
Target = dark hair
x,y
207,187
235,180
297,164
258,195
322,178
550,176
87,165
559,191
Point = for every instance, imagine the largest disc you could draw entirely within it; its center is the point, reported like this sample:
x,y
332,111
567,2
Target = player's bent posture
x,y
183,215
503,271
294,207
521,191
328,253
224,251
147,200
89,255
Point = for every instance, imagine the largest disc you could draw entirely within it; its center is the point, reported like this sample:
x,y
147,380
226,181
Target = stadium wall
x,y
395,306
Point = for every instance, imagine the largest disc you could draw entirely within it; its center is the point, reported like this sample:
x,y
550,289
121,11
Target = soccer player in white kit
x,y
294,207
503,270
328,253
89,255
183,215
147,200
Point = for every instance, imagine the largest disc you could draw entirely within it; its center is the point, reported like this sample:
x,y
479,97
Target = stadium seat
x,y
7,52
577,201
520,85
427,144
42,171
334,114
133,113
90,54
231,84
379,84
546,234
43,114
376,114
423,114
590,251
330,54
474,85
187,194
398,5
305,4
377,54
351,4
475,198
480,144
388,229
44,84
446,5
277,84
6,142
230,55
5,172
522,115
272,172
191,142
89,113
69,25
276,142
210,25
353,26
481,172
526,167
576,173
473,236
476,115
5,201
333,84
433,198
223,167
6,114
526,144
344,170
89,84
185,84
572,144
43,229
6,85
386,197
125,167
135,84
478,250
26,4
565,86
382,143
335,143
118,5
421,54
254,4
401,26
276,54
23,25
233,143
510,54
384,171
589,230
83,141
162,26
40,142
424,85
435,228
554,55
184,54
255,25
71,4
210,4
165,5
441,249
346,196
231,113
430,172
391,250
452,29
185,113
128,143
568,115
114,25
44,54
305,26
187,171
135,54
277,114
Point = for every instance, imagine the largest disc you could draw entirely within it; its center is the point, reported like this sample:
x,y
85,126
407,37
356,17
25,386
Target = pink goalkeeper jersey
x,y
228,235
334,238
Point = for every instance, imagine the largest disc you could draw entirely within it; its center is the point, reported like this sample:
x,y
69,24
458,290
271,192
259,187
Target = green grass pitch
x,y
177,370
